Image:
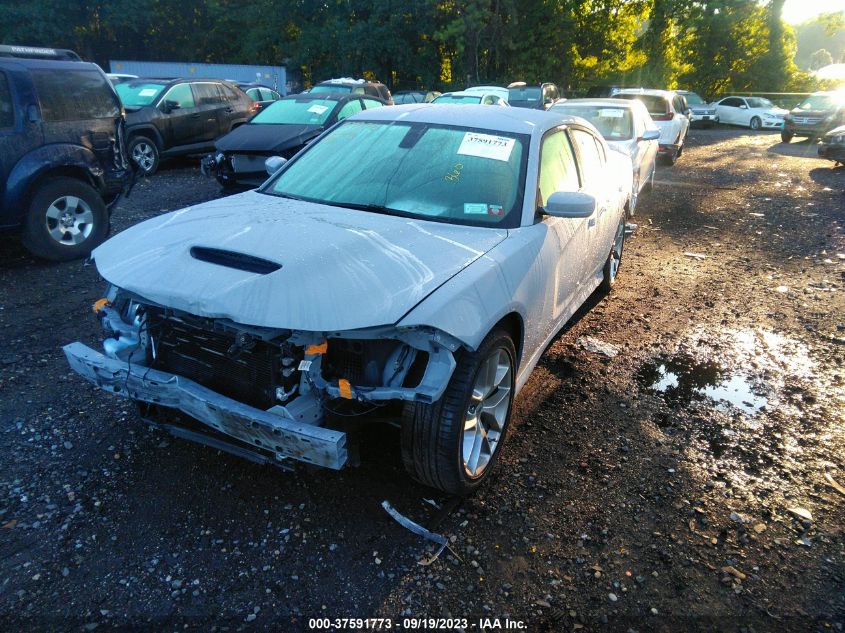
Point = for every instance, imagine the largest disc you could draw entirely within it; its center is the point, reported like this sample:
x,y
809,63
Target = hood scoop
x,y
231,259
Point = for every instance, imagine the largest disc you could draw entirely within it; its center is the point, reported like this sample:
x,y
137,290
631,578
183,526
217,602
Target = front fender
x,y
472,302
41,161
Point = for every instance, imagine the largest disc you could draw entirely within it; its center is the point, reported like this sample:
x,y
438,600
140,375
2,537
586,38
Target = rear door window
x,y
74,95
369,104
207,94
7,109
591,155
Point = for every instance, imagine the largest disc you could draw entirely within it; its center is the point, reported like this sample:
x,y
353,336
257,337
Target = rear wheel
x,y
614,259
785,136
453,444
756,123
67,219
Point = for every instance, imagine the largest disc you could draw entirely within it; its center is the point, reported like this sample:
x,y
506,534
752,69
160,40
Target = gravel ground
x,y
683,484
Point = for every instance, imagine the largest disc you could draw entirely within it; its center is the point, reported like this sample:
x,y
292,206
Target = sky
x,y
795,11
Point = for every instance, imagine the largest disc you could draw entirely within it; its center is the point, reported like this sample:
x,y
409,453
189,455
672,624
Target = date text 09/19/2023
x,y
414,624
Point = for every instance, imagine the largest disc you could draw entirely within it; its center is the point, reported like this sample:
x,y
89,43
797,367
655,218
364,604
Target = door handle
x,y
591,222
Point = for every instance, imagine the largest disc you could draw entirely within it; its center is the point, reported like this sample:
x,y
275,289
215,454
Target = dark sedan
x,y
281,129
832,146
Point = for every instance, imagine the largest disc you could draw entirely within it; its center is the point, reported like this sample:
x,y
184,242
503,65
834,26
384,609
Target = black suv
x,y
178,117
63,164
356,87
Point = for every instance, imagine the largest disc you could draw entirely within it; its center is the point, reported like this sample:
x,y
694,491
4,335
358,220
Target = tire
x,y
649,185
785,137
435,450
669,159
144,152
755,123
66,220
614,259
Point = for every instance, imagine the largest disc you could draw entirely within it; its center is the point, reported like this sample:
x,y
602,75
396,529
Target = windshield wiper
x,y
373,208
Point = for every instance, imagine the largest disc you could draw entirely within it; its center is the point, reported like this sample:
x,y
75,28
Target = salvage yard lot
x,y
625,498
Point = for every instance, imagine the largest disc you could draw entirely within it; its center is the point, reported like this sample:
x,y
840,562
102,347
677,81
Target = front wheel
x,y
614,259
756,123
67,219
145,154
454,443
785,136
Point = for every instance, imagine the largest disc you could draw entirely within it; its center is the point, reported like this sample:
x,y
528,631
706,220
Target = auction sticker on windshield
x,y
611,114
486,146
317,109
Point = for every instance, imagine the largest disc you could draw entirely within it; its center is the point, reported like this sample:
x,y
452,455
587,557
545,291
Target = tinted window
x,y
269,95
181,94
655,104
731,102
353,107
591,159
435,172
229,94
253,93
331,88
207,94
7,111
369,104
557,167
74,95
692,97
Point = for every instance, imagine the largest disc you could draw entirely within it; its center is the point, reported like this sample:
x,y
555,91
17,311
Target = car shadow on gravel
x,y
805,148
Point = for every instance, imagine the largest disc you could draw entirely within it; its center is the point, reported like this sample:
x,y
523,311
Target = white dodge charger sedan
x,y
411,265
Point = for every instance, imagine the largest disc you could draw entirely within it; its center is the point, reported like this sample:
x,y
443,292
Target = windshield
x,y
693,98
819,102
407,97
656,105
137,93
331,88
433,172
295,112
524,94
614,124
458,99
758,102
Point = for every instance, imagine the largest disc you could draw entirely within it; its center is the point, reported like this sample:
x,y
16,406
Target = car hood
x,y
778,112
812,114
837,131
341,269
255,137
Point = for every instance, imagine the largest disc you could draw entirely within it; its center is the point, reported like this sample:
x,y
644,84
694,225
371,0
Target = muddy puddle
x,y
682,379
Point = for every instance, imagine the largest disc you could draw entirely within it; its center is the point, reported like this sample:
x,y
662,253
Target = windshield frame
x,y
512,219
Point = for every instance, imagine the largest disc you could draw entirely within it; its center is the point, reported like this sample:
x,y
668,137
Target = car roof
x,y
615,103
513,120
647,91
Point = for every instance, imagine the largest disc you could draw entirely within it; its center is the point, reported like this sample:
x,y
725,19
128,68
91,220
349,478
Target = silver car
x,y
627,127
411,264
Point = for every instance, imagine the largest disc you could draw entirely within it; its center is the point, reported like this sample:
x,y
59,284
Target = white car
x,y
499,91
465,97
627,127
668,110
413,262
751,112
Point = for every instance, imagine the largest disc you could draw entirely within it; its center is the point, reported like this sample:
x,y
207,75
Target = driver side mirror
x,y
274,164
650,135
570,204
168,106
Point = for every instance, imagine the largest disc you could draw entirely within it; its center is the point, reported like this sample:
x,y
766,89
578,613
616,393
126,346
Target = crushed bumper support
x,y
281,432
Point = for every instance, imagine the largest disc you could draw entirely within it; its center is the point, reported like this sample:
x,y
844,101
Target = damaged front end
x,y
266,394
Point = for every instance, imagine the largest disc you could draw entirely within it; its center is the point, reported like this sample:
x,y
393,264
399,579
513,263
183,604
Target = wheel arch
x,y
515,326
148,131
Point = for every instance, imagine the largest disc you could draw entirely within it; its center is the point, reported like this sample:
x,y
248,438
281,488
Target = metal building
x,y
272,76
